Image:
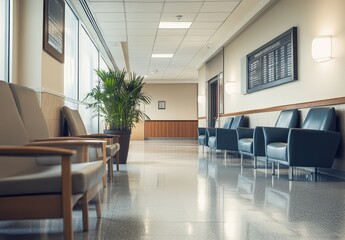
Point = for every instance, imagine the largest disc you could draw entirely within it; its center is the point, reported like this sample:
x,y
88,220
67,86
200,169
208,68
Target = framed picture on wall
x,y
161,105
54,28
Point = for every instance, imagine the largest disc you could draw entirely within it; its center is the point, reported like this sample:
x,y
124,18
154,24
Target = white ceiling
x,y
136,23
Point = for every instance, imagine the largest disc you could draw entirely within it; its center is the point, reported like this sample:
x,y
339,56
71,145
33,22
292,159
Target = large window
x,y
81,59
71,54
4,37
88,63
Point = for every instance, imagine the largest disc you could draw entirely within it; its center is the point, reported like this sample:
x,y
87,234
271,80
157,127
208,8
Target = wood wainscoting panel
x,y
171,129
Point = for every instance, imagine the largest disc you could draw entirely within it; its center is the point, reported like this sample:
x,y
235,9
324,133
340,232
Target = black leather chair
x,y
226,139
313,145
251,141
203,133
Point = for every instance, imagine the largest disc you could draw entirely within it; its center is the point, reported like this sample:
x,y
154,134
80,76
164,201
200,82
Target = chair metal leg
x,y
273,168
291,173
255,162
315,172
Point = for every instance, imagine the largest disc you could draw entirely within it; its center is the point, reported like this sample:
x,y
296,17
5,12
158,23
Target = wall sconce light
x,y
230,87
201,99
321,48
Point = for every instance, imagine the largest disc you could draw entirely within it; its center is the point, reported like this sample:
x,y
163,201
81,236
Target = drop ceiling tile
x,y
201,32
141,32
197,38
182,7
161,1
211,17
115,32
142,25
116,39
107,7
227,7
171,16
141,38
143,7
164,49
142,17
171,32
106,17
173,39
206,25
112,25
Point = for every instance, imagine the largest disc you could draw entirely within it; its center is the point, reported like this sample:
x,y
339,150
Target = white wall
x,y
316,80
181,101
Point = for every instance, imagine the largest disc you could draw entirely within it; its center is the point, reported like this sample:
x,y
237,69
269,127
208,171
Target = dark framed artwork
x,y
161,105
54,28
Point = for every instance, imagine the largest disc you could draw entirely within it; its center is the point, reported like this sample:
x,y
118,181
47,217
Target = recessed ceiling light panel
x,y
175,24
162,55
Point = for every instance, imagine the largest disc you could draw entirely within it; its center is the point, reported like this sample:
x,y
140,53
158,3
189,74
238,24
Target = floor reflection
x,y
173,190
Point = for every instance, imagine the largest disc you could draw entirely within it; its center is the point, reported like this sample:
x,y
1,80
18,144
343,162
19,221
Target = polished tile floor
x,y
171,189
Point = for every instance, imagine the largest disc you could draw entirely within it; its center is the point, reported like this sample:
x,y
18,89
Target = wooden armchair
x,y
32,190
36,127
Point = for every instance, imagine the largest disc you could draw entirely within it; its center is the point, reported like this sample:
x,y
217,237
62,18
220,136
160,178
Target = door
x,y
213,101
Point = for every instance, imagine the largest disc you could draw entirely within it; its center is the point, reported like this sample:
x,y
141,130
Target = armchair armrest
x,y
211,132
259,148
275,134
111,138
27,151
312,148
226,139
201,131
243,132
81,145
55,139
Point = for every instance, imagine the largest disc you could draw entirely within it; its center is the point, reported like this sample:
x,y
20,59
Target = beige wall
x,y
316,80
33,67
181,101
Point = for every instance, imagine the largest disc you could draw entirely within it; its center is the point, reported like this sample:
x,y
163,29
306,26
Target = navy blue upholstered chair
x,y
203,133
251,141
226,138
313,145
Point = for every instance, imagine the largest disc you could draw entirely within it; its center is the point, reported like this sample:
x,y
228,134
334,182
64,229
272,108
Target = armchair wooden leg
x,y
85,212
98,205
117,160
110,168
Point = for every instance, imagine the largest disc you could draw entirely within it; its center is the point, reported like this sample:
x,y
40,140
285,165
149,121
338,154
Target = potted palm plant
x,y
118,101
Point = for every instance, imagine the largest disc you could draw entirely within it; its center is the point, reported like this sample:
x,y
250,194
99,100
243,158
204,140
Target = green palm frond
x,y
117,100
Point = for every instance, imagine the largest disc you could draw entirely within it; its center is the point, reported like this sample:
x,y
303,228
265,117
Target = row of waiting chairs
x,y
42,177
314,144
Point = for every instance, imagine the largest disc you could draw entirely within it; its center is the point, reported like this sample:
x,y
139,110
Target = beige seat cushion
x,y
47,179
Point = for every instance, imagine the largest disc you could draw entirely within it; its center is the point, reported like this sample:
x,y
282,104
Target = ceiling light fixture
x,y
175,24
162,55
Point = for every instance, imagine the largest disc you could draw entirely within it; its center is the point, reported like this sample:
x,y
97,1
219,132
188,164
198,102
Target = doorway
x,y
213,102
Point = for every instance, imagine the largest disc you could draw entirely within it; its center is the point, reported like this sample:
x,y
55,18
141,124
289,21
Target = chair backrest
x,y
12,132
238,121
30,111
74,121
320,119
227,122
287,119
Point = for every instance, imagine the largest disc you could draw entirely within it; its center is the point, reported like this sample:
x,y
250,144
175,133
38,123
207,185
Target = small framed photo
x,y
161,104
